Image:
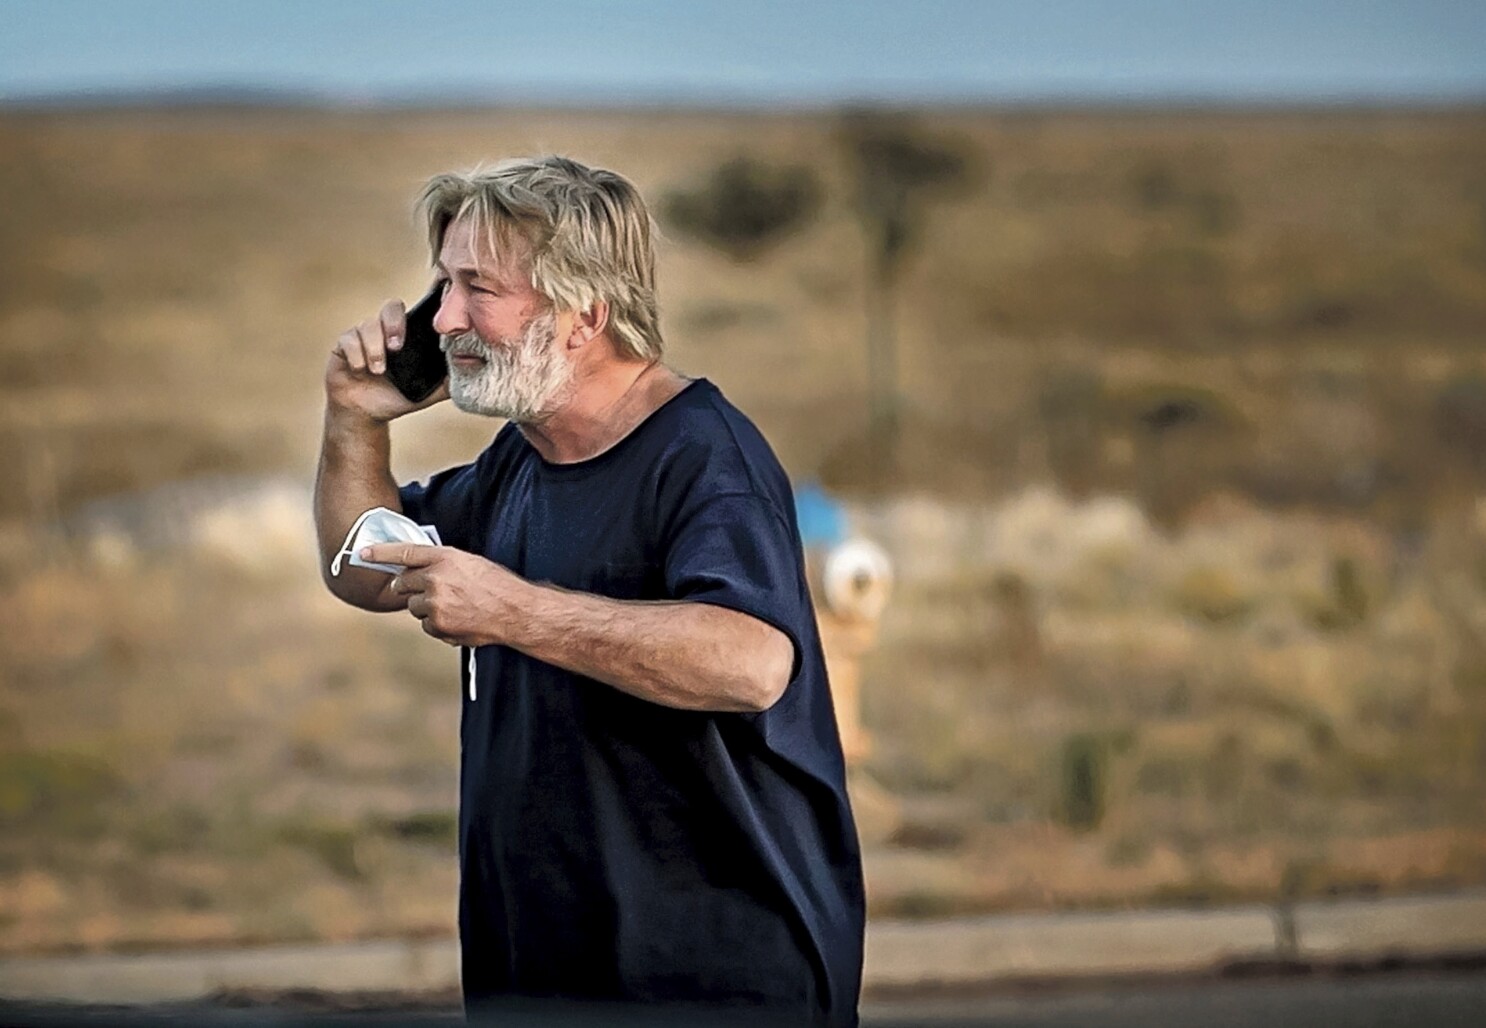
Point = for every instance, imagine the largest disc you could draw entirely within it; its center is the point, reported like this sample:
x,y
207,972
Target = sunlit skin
x,y
681,654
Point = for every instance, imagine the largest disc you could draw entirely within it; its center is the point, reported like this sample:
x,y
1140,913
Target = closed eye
x,y
468,278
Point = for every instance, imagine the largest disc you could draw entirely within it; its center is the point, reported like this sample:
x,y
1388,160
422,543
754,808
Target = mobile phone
x,y
418,367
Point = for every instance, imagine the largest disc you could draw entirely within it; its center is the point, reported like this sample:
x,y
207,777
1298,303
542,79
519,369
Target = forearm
x,y
354,476
694,656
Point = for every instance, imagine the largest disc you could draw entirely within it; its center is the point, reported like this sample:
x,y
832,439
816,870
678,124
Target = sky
x,y
767,52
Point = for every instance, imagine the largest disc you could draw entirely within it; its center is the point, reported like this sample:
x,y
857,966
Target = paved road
x,y
1383,1001
901,955
1404,1000
943,961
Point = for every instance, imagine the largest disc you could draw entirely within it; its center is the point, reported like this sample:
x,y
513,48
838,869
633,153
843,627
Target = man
x,y
653,805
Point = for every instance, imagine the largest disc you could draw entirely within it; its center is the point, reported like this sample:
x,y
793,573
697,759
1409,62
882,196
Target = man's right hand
x,y
356,373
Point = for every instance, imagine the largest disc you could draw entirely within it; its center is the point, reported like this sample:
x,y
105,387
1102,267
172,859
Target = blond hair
x,y
584,232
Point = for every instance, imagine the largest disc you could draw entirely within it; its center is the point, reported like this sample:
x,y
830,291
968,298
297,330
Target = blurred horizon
x,y
579,52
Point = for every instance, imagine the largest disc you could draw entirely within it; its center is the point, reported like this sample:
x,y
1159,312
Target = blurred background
x,y
1147,340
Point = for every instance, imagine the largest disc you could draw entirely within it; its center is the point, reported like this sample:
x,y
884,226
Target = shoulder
x,y
713,448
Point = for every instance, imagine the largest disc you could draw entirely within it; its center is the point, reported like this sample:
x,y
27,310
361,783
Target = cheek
x,y
496,320
488,329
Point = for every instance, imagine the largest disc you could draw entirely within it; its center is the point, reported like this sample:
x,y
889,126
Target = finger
x,y
413,580
420,606
349,346
394,323
428,629
409,555
373,346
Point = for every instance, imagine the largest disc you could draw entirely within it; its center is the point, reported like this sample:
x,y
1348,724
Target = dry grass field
x,y
1188,505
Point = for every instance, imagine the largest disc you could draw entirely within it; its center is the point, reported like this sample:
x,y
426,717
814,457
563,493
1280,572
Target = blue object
x,y
822,520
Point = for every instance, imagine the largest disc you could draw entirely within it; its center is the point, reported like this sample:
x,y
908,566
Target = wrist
x,y
350,421
520,616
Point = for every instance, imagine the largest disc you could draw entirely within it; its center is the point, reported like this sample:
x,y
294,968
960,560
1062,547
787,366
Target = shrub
x,y
1084,782
60,792
745,206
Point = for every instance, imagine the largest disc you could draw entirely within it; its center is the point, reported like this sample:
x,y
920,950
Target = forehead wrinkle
x,y
478,260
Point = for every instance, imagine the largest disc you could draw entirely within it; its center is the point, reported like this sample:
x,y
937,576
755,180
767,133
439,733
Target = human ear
x,y
589,323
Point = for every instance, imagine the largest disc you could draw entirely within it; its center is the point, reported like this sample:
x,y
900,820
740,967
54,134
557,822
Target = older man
x,y
653,804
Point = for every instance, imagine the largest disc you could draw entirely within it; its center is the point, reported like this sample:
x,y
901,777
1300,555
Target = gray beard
x,y
526,379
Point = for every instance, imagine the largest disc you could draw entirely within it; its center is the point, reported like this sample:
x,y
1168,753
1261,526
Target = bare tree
x,y
897,170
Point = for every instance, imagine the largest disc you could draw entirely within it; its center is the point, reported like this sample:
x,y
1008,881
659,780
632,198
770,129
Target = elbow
x,y
764,695
338,587
746,669
334,585
772,668
357,592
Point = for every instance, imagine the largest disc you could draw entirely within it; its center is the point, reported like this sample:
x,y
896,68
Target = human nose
x,y
452,317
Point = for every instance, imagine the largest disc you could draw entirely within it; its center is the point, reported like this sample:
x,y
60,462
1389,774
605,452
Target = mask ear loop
x,y
346,548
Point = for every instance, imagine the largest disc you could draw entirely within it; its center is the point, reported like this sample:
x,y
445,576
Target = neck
x,y
606,406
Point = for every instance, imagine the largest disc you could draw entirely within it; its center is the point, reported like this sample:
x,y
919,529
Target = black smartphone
x,y
418,367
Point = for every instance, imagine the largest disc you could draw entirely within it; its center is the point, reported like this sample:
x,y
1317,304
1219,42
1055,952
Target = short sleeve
x,y
447,501
737,551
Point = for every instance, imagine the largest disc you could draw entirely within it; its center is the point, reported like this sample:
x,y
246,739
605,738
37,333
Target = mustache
x,y
467,344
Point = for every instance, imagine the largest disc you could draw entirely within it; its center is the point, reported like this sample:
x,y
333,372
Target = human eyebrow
x,y
469,273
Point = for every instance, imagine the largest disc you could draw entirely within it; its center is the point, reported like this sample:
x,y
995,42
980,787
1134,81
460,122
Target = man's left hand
x,y
460,598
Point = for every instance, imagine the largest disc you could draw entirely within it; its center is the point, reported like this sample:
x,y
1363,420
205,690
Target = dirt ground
x,y
1185,504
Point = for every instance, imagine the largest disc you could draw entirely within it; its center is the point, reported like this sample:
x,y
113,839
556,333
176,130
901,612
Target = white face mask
x,y
380,525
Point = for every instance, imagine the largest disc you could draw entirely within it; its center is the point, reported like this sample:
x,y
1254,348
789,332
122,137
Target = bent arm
x,y
354,476
355,473
695,656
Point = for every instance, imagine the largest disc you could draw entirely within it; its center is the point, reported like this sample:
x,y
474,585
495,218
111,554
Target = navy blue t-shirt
x,y
613,849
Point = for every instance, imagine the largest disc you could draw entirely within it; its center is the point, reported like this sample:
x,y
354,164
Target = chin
x,y
473,405
471,399
467,395
489,397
